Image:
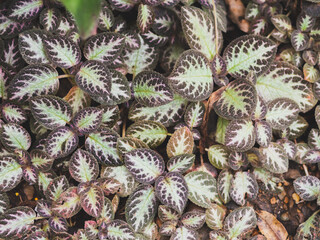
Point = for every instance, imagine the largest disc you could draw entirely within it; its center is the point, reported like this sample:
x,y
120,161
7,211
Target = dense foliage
x,y
156,126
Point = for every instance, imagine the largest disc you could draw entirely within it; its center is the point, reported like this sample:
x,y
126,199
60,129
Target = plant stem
x,y
305,169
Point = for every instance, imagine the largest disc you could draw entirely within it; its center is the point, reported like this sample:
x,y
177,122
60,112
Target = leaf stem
x,y
124,128
169,134
305,168
66,76
215,26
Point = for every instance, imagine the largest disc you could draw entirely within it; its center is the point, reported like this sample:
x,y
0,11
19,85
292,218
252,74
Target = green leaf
x,y
13,137
218,156
310,229
85,14
274,158
224,185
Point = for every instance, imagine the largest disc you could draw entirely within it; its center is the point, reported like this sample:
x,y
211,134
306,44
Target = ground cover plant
x,y
160,119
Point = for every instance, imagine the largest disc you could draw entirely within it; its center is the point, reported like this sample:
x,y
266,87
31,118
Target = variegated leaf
x,y
281,112
170,56
269,180
240,221
61,142
236,160
58,224
282,22
301,151
237,101
192,76
215,215
274,158
108,185
62,51
44,179
308,187
124,177
41,160
68,203
243,185
103,145
120,91
145,17
224,185
94,78
16,221
249,53
10,172
305,22
199,31
168,114
13,113
110,115
181,142
143,58
141,207
194,114
107,213
51,111
168,228
4,203
119,230
259,26
299,40
154,40
193,220
31,47
151,133
11,55
127,144
88,120
10,28
240,135
144,164
43,208
314,138
172,191
23,10
56,187
296,128
289,147
132,39
77,98
32,81
310,57
310,229
83,166
218,156
221,130
13,137
30,174
50,19
312,156
65,25
92,200
311,74
4,81
180,163
202,188
184,233
104,47
167,214
122,5
106,19
263,133
151,89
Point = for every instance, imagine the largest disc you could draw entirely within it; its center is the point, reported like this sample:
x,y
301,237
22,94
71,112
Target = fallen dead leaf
x,y
236,14
270,227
